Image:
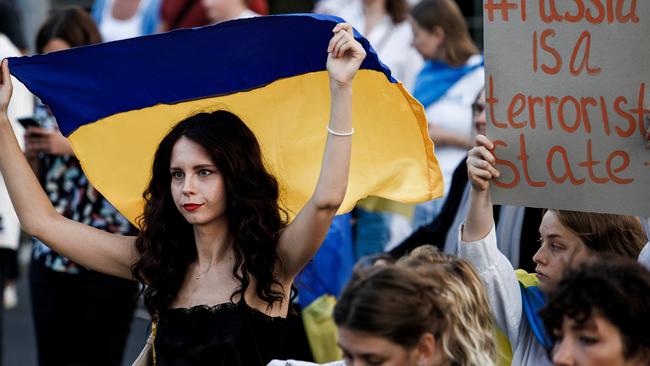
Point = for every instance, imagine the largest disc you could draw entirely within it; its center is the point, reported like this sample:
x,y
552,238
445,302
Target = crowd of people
x,y
228,280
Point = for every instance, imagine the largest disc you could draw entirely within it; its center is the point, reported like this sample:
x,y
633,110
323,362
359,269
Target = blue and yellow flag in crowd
x,y
115,102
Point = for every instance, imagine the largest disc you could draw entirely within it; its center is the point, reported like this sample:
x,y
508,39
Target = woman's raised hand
x,y
5,87
344,54
480,163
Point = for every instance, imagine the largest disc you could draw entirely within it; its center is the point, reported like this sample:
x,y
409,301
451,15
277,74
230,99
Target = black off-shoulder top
x,y
232,334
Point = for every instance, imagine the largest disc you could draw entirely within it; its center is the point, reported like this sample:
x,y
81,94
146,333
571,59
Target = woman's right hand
x,y
480,171
480,164
5,87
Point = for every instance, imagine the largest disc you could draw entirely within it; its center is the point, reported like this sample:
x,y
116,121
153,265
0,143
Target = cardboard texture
x,y
568,88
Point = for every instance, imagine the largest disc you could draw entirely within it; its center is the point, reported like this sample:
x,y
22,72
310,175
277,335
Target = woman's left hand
x,y
345,55
5,87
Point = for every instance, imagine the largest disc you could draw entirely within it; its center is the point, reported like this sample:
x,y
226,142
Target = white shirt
x,y
113,29
21,105
453,112
504,294
247,14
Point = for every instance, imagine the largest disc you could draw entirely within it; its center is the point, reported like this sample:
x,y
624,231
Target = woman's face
x,y
429,43
596,342
364,349
56,44
479,114
560,250
197,185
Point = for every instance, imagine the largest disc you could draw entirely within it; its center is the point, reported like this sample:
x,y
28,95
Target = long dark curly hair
x,y
166,242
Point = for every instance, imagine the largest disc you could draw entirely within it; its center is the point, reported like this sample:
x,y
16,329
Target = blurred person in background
x,y
121,19
380,314
470,340
81,317
259,6
12,43
177,14
447,86
62,4
11,24
394,315
384,24
22,105
291,6
33,13
334,6
218,11
330,6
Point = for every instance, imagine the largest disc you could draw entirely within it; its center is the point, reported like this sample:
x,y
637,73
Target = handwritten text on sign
x,y
566,88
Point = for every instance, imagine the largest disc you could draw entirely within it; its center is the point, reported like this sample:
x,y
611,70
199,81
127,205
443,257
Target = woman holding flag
x,y
215,250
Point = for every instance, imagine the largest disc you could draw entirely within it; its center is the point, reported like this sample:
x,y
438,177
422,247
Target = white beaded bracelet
x,y
335,133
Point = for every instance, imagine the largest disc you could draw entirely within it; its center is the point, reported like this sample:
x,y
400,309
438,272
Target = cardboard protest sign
x,y
568,88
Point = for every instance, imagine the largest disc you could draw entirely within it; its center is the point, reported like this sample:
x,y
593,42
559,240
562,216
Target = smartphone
x,y
28,122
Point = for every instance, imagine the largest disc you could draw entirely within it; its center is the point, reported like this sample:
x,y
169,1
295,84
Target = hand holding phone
x,y
28,122
44,140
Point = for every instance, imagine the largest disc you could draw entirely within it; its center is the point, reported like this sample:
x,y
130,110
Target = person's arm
x,y
480,171
478,243
45,140
444,137
90,247
301,239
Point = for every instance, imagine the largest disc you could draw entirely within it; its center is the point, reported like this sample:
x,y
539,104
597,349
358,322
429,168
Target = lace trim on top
x,y
226,306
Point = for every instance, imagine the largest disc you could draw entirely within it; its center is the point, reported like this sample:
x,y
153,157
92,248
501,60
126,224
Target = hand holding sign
x,y
481,164
567,95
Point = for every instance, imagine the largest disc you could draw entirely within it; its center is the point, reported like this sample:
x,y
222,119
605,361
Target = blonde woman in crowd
x,y
393,315
428,309
470,337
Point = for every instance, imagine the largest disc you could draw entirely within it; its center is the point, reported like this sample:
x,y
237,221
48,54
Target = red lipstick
x,y
191,206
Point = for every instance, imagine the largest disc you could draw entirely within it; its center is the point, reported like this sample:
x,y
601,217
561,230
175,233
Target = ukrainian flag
x,y
116,101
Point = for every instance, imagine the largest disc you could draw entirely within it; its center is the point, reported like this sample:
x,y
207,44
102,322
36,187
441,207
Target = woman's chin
x,y
545,284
